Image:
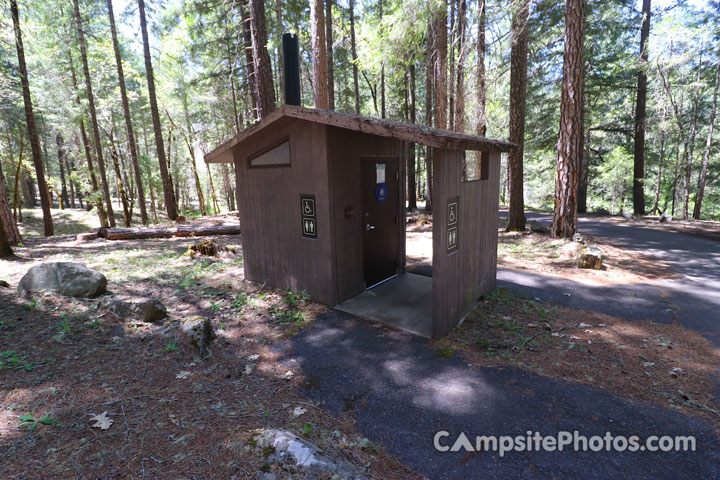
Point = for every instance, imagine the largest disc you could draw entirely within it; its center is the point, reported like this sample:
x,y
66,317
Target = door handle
x,y
369,227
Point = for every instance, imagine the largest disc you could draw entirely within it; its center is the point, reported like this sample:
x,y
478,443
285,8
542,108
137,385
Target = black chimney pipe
x,y
291,68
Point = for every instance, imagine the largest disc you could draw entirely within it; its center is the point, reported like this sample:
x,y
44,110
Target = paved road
x,y
693,300
401,394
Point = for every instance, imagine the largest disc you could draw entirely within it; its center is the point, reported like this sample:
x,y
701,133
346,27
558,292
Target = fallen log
x,y
179,231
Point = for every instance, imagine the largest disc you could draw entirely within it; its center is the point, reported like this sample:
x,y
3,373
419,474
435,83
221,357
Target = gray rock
x,y
289,449
590,257
675,372
665,218
627,216
577,238
138,308
65,278
199,331
539,227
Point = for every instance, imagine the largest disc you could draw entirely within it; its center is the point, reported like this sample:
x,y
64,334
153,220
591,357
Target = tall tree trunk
x,y
168,193
17,206
691,149
481,128
317,25
429,85
459,122
655,209
60,142
640,119
265,91
708,145
569,139
329,50
95,193
440,42
681,134
451,64
6,216
412,185
383,111
130,131
5,249
215,204
518,86
153,209
127,217
45,201
280,31
93,116
249,61
353,49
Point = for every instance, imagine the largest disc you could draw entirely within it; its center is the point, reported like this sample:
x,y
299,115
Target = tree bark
x,y
45,200
180,231
93,116
319,51
459,122
95,194
691,147
17,207
329,50
353,49
481,128
130,131
249,61
412,185
60,142
681,134
440,43
6,216
5,249
569,139
518,86
708,145
429,74
640,119
168,193
264,89
655,209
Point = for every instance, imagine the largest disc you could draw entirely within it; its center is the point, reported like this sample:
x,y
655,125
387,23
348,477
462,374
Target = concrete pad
x,y
405,302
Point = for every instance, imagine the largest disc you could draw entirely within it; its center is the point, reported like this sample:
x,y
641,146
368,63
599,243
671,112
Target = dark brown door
x,y
381,194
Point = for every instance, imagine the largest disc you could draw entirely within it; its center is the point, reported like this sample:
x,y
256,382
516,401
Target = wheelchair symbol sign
x,y
452,213
308,207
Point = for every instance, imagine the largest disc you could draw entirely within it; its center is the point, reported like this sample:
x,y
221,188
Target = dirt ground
x,y
62,361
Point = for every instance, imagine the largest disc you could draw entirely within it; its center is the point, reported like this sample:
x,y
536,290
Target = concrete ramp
x,y
405,302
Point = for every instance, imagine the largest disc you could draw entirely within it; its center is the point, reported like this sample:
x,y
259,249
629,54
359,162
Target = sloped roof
x,y
433,137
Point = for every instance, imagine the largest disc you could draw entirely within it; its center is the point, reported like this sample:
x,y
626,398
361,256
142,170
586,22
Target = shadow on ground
x,y
400,393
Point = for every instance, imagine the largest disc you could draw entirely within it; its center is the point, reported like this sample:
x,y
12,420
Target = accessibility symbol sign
x,y
452,213
308,207
308,216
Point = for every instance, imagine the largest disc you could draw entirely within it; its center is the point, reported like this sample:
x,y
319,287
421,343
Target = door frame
x,y
401,212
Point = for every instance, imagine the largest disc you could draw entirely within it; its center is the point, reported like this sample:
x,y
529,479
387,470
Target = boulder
x,y
290,450
139,308
577,238
539,227
665,218
66,278
590,257
199,332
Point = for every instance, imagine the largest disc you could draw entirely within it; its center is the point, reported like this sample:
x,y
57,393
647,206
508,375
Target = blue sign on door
x,y
381,192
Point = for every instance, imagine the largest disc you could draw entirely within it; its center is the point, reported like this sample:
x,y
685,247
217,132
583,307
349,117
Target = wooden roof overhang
x,y
406,132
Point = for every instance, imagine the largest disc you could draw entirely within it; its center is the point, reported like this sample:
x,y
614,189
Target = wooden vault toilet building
x,y
321,200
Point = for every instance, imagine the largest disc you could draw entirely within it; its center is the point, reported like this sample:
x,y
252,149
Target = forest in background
x,y
208,69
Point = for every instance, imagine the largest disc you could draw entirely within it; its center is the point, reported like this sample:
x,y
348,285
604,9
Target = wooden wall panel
x,y
462,276
345,148
274,250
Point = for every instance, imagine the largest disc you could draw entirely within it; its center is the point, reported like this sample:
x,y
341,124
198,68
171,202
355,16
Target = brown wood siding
x,y
274,251
461,277
345,148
